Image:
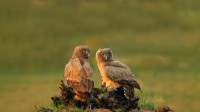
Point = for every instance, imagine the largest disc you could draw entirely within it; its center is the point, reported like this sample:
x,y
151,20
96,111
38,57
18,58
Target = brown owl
x,y
115,74
78,73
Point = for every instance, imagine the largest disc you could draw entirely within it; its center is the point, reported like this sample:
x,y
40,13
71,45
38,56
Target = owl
x,y
78,73
115,74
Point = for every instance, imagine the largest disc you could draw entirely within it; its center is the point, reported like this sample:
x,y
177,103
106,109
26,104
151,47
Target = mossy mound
x,y
101,99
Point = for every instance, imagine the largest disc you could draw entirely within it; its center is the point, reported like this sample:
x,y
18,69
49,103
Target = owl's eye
x,y
101,54
84,51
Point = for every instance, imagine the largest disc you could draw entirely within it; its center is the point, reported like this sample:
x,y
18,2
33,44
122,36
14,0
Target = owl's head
x,y
104,55
81,51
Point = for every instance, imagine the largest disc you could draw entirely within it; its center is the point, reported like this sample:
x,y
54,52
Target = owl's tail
x,y
135,84
84,97
129,92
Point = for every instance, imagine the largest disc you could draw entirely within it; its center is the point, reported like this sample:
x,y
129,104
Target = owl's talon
x,y
110,89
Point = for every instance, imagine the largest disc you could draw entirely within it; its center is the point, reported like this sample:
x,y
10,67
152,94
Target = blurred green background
x,y
158,39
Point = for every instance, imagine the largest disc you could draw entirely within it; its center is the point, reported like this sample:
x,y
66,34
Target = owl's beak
x,y
106,57
88,53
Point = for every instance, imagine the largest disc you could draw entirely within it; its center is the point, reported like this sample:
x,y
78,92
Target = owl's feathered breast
x,y
114,73
78,74
106,80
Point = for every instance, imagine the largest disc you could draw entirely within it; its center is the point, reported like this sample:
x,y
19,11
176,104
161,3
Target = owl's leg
x,y
110,89
103,83
110,86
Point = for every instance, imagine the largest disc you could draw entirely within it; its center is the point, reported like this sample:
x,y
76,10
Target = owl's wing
x,y
121,73
78,76
72,70
88,79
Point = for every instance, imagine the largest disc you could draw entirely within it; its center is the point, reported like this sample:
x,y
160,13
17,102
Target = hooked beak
x,y
106,57
88,53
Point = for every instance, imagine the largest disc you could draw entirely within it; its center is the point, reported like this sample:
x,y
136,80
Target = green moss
x,y
76,109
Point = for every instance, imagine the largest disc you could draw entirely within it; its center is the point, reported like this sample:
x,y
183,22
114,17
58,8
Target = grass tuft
x,y
146,102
